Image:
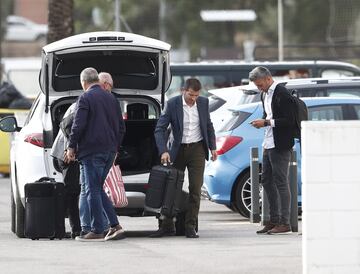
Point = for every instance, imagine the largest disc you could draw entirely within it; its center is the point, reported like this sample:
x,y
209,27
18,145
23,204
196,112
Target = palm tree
x,y
60,19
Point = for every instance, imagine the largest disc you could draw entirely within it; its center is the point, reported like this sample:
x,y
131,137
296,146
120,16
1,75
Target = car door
x,y
328,112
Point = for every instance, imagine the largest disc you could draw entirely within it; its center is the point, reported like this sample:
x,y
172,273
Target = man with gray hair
x,y
106,81
96,135
279,122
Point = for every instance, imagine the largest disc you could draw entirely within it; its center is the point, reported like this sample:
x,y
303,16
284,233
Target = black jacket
x,y
282,106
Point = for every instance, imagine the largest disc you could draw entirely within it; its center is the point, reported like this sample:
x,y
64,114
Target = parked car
x,y
20,78
227,180
23,73
22,29
141,72
223,99
221,74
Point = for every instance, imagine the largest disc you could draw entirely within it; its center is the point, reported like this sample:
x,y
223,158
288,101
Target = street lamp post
x,y
117,15
280,31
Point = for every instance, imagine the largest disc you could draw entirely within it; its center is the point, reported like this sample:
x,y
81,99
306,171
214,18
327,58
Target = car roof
x,y
218,63
106,38
309,101
226,93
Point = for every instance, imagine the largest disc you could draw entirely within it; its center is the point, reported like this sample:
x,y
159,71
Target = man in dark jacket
x,y
279,122
96,135
193,137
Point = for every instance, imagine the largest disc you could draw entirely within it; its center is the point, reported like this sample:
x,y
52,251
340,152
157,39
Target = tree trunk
x,y
60,19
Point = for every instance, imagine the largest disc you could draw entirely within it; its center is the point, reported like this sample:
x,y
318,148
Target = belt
x,y
191,144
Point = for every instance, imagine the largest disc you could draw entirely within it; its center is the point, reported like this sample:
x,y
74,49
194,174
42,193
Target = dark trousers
x,y
71,175
192,157
274,178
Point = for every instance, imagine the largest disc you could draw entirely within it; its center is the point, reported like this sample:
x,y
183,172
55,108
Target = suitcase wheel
x,y
52,238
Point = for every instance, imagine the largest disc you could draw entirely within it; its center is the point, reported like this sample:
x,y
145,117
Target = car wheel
x,y
13,211
243,195
20,217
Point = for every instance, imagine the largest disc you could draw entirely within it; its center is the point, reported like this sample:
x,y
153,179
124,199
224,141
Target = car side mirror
x,y
9,124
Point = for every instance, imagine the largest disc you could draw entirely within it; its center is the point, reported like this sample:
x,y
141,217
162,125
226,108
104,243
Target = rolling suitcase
x,y
164,194
44,209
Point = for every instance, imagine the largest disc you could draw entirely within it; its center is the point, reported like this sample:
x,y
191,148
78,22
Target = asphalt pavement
x,y
227,244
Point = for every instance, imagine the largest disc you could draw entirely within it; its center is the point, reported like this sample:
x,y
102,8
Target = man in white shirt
x,y
193,137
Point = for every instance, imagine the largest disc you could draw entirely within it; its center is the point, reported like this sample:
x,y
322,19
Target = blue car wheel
x,y
243,195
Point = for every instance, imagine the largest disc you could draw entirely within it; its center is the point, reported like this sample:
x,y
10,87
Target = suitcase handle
x,y
46,179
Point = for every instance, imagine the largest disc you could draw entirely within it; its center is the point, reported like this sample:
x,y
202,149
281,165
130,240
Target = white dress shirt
x,y
269,137
191,124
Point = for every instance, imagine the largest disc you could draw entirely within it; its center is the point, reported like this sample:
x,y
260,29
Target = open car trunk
x,y
138,152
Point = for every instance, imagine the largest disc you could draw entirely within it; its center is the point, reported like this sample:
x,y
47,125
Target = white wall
x,y
331,197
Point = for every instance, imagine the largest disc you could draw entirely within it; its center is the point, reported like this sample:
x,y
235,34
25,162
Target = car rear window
x,y
237,118
215,103
129,69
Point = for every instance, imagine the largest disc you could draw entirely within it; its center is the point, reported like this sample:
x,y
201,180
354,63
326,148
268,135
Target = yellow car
x,y
5,139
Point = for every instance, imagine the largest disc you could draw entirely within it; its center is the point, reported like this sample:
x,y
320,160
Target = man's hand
x,y
258,123
165,158
213,155
69,155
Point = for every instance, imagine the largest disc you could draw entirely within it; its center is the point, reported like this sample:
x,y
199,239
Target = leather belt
x,y
191,144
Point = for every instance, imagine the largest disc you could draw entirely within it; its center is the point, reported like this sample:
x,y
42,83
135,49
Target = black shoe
x,y
191,233
161,232
67,235
75,234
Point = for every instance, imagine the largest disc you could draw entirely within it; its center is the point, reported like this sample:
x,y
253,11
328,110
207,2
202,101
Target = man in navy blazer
x,y
193,137
279,122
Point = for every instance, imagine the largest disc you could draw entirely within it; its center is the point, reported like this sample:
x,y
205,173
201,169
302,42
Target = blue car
x,y
227,180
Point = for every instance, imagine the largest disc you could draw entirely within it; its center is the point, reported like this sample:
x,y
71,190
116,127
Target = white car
x,y
223,99
141,72
23,73
21,29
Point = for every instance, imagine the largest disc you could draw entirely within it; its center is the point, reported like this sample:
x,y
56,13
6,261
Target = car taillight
x,y
35,139
225,143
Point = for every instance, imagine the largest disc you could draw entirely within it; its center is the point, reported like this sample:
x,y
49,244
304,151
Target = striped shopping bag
x,y
114,187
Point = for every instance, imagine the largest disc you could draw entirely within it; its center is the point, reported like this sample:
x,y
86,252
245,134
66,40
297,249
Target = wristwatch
x,y
266,123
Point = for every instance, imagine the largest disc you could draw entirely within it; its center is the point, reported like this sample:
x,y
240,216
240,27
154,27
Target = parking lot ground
x,y
227,244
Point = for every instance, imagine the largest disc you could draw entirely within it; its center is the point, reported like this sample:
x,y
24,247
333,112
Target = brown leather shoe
x,y
91,237
266,228
280,229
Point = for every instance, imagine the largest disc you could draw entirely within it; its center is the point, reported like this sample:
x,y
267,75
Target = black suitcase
x,y
44,209
164,194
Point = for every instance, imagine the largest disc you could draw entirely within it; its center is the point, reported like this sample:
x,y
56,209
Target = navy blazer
x,y
282,105
173,115
98,124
